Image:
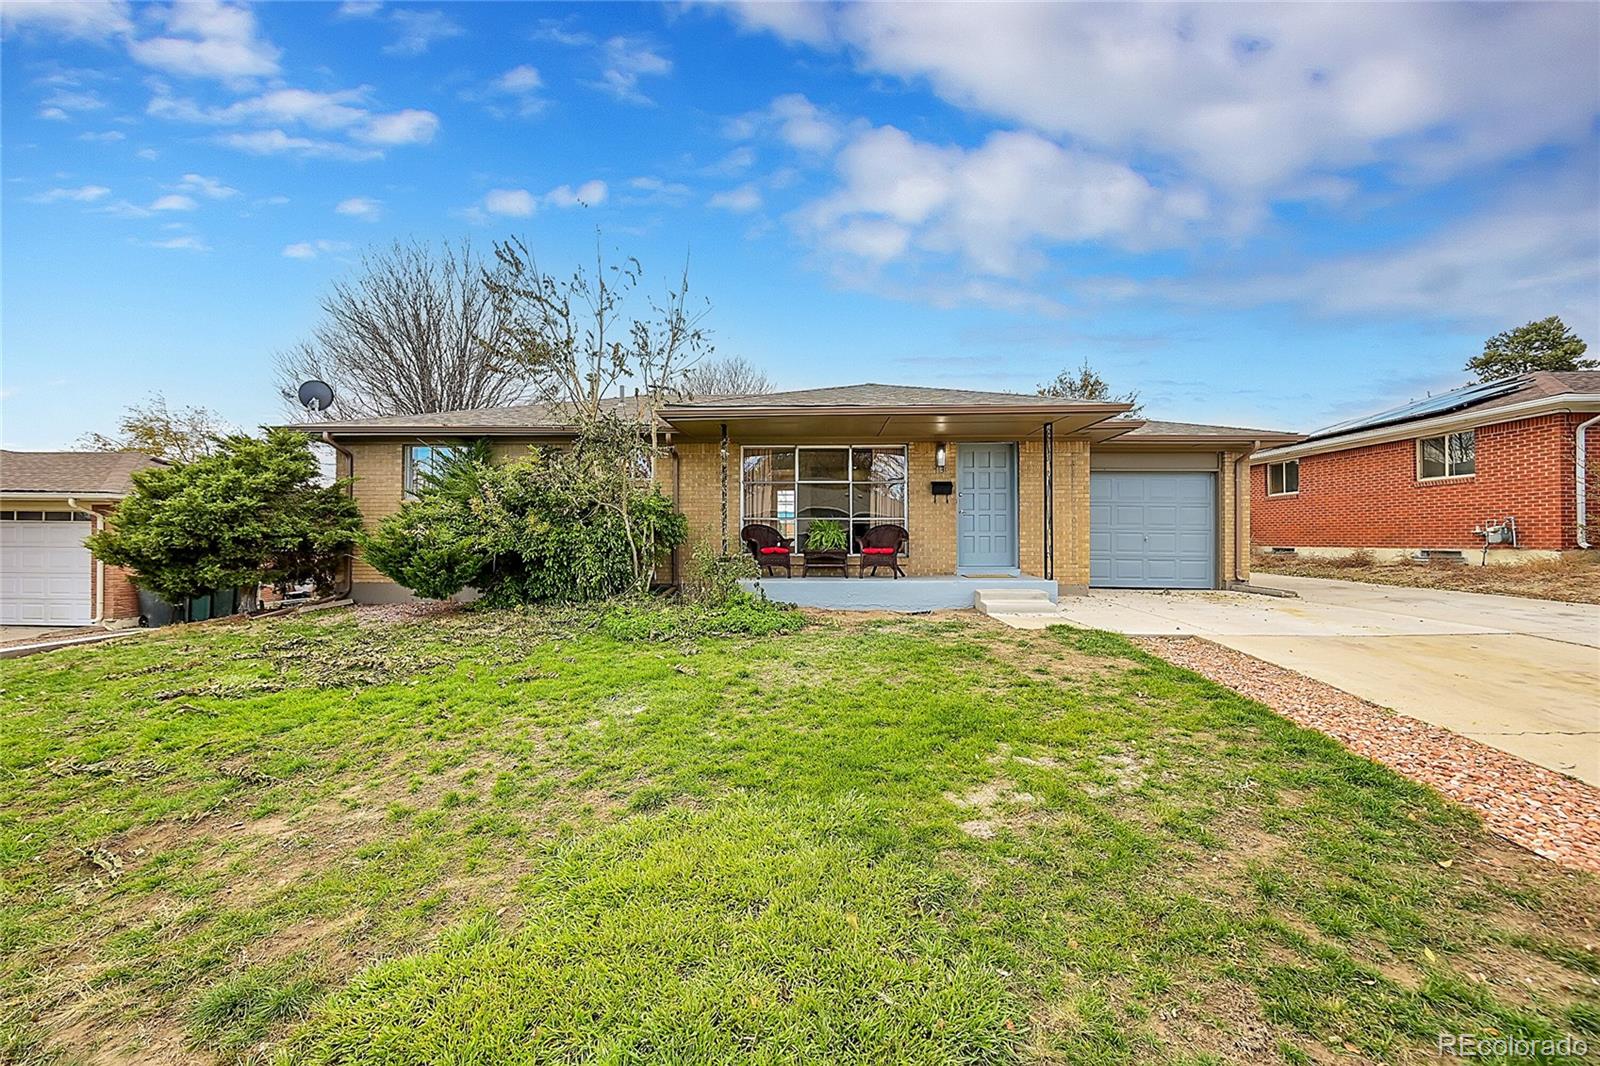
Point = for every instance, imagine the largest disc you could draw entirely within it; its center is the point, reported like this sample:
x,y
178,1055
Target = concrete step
x,y
996,601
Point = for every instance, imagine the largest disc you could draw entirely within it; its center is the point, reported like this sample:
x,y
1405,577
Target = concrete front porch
x,y
924,593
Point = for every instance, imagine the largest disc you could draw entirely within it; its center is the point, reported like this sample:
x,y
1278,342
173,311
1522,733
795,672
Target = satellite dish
x,y
316,395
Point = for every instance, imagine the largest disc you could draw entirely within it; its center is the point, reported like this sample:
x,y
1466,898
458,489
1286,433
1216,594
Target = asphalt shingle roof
x,y
96,473
873,394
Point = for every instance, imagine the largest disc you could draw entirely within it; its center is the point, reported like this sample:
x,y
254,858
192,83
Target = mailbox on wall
x,y
943,488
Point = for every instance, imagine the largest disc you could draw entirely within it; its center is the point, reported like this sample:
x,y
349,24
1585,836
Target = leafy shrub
x,y
741,615
252,513
548,528
826,535
713,578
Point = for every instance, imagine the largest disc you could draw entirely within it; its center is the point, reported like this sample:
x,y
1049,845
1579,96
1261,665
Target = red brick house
x,y
49,502
1513,462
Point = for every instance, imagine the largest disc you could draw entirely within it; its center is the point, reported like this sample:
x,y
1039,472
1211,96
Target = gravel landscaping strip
x,y
1550,814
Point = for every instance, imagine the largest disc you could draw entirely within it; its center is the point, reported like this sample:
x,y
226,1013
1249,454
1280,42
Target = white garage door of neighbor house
x,y
1152,530
45,571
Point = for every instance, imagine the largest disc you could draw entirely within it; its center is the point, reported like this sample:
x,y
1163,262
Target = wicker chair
x,y
769,548
881,546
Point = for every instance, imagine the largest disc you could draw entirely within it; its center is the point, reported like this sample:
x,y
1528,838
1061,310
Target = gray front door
x,y
986,506
1150,530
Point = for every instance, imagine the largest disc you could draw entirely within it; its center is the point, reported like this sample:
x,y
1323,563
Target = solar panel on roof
x,y
1443,403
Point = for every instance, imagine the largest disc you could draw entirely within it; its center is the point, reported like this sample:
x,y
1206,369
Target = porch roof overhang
x,y
834,423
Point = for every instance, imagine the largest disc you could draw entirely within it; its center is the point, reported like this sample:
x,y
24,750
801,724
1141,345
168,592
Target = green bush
x,y
250,514
740,615
560,527
713,578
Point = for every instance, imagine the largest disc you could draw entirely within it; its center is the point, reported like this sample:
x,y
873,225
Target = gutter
x,y
100,567
1580,445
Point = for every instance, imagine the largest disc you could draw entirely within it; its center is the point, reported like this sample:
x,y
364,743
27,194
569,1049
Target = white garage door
x,y
45,569
1152,530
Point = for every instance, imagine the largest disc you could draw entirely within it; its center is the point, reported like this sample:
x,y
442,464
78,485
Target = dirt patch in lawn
x,y
1572,578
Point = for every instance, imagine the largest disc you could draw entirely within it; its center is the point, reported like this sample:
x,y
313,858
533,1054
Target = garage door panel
x,y
44,573
1152,530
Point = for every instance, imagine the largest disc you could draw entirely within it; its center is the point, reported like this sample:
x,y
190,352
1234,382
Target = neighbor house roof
x,y
1541,392
96,474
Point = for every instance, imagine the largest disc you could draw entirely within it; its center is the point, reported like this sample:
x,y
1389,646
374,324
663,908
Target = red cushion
x,y
877,551
775,551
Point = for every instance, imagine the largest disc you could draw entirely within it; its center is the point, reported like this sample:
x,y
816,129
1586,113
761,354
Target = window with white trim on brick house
x,y
423,461
1449,455
1283,479
788,487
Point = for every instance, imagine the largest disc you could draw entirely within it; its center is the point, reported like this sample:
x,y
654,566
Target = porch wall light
x,y
939,455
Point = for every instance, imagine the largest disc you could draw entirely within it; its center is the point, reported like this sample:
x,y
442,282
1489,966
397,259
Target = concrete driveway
x,y
1521,675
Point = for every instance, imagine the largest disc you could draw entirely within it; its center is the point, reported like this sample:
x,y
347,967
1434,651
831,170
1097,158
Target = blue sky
x,y
1261,215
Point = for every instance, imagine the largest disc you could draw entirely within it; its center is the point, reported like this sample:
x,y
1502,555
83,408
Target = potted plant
x,y
827,546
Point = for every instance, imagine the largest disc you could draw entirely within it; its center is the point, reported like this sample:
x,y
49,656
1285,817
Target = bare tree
x,y
731,375
178,435
414,330
583,337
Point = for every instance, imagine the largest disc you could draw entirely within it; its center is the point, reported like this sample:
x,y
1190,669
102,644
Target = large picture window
x,y
790,487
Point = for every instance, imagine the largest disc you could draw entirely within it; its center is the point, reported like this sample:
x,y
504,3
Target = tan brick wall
x,y
931,521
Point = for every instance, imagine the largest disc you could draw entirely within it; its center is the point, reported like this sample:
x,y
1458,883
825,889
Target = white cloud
x,y
88,20
147,154
208,38
62,104
648,191
589,194
802,124
518,203
418,31
519,79
312,249
741,200
104,136
210,188
994,206
362,207
411,126
1247,98
186,242
277,142
83,194
623,62
359,9
342,111
174,202
1520,260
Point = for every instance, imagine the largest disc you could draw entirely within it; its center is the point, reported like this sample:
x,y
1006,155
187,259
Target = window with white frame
x,y
789,487
1450,455
1283,479
424,461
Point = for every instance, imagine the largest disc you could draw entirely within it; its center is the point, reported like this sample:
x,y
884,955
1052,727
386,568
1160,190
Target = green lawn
x,y
501,838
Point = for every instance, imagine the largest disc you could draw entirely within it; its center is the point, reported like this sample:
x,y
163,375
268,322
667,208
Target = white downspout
x,y
99,565
1582,466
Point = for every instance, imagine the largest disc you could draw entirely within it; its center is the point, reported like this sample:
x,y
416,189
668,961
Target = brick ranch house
x,y
49,502
991,486
1521,454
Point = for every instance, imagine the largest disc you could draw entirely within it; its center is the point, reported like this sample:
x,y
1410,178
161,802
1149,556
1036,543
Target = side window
x,y
1450,455
1283,479
423,461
